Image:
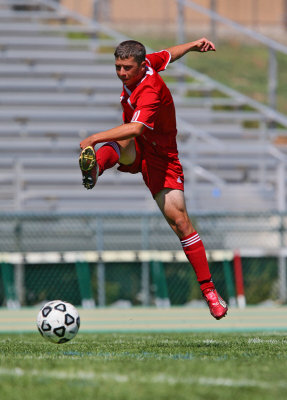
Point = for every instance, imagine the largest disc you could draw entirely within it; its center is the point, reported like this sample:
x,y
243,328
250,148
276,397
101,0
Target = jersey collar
x,y
149,71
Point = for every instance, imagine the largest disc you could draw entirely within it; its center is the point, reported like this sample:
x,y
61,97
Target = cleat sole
x,y
87,159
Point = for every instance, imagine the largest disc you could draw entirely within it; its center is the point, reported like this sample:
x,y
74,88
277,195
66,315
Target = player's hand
x,y
89,141
203,45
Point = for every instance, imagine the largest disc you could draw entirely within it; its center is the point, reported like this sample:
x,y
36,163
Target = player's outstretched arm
x,y
122,132
201,45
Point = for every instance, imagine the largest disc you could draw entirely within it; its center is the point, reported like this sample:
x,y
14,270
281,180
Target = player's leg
x,y
172,204
94,163
111,153
127,151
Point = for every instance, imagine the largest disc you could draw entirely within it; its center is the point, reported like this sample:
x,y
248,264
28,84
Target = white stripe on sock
x,y
190,238
190,241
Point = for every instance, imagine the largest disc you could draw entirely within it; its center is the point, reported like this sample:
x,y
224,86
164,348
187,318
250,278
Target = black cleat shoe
x,y
89,167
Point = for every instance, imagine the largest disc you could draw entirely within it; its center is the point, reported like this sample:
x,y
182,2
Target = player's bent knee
x,y
128,151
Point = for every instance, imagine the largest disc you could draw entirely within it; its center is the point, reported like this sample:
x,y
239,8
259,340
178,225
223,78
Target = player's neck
x,y
132,87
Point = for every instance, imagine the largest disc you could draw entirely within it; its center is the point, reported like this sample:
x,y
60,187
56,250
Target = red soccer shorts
x,y
159,171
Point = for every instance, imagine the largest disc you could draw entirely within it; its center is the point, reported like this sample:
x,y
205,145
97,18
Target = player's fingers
x,y
211,46
205,48
208,46
204,45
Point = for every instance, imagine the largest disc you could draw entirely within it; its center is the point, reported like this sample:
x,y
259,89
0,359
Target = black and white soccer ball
x,y
58,321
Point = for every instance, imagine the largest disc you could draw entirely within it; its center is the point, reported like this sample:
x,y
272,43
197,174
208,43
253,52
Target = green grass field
x,y
126,366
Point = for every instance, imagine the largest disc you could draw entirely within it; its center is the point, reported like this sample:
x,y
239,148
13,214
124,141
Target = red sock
x,y
107,156
195,252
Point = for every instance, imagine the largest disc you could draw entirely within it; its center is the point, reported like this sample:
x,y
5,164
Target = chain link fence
x,y
135,259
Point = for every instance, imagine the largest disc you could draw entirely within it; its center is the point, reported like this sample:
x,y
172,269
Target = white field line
x,y
269,341
156,379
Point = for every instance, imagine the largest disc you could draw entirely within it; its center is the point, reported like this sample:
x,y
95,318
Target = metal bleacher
x,y
58,85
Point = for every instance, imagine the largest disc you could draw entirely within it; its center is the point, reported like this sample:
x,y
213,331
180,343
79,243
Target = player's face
x,y
129,71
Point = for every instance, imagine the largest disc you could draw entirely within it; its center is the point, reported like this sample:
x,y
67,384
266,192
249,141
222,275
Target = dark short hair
x,y
131,48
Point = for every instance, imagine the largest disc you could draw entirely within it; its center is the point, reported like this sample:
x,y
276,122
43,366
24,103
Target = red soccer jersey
x,y
151,104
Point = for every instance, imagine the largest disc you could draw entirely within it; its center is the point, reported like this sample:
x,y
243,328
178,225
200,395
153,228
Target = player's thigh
x,y
128,151
171,202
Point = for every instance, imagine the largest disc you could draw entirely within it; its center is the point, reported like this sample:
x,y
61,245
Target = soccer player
x,y
146,143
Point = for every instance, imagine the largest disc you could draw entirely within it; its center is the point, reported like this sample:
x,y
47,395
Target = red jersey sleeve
x,y
159,61
147,107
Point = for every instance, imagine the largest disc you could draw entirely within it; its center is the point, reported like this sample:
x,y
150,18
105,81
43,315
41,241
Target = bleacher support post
x,y
101,268
84,280
272,79
159,283
229,283
282,272
238,274
11,299
145,283
213,24
101,272
145,265
180,23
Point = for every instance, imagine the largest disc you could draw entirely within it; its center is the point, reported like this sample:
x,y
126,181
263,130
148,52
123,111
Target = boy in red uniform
x,y
146,143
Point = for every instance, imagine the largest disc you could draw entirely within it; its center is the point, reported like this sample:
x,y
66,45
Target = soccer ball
x,y
58,321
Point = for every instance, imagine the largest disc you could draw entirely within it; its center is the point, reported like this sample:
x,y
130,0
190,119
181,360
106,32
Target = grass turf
x,y
144,366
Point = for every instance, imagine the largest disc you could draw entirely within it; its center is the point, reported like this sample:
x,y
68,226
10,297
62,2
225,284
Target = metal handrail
x,y
272,45
239,28
269,112
84,20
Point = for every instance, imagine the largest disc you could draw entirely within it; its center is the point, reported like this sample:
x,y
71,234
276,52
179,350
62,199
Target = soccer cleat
x,y
87,159
90,177
89,167
217,306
